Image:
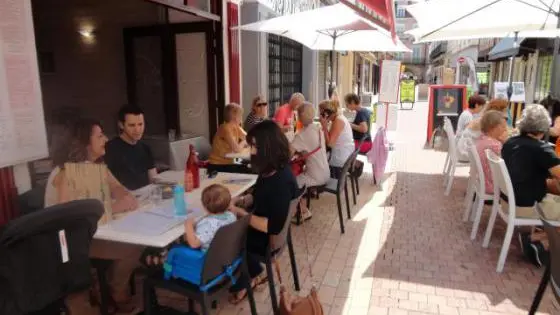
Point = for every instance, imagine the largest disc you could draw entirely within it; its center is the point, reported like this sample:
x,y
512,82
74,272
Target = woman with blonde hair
x,y
230,138
338,135
259,112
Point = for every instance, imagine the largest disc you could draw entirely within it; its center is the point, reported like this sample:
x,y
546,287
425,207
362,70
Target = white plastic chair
x,y
502,184
452,158
477,186
446,125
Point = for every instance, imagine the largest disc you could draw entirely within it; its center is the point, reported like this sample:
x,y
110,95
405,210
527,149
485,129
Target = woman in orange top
x,y
230,138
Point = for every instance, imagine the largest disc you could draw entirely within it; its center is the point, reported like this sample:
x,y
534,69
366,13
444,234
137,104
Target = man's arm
x,y
361,127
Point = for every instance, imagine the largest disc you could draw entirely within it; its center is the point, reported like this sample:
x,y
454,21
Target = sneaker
x,y
541,255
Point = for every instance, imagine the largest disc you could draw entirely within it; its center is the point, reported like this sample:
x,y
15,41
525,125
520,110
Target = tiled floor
x,y
406,249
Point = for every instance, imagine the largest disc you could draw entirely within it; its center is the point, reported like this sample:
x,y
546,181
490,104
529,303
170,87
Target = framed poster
x,y
447,101
389,83
518,95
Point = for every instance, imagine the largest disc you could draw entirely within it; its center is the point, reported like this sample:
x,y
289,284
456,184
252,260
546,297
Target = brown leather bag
x,y
295,305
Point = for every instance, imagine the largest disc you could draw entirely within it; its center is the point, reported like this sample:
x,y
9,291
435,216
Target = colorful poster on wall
x,y
407,91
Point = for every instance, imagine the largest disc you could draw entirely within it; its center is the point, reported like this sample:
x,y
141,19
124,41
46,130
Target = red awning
x,y
385,9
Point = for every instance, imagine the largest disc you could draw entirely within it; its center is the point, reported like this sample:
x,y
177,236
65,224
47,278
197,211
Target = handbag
x,y
298,164
296,305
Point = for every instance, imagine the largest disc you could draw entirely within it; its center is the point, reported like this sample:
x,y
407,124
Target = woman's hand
x,y
238,211
125,204
323,121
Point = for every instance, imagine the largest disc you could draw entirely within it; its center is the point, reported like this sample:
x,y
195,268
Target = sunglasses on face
x,y
326,114
261,104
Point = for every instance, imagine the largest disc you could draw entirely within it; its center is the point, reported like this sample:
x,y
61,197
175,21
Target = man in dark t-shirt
x,y
529,162
129,159
361,124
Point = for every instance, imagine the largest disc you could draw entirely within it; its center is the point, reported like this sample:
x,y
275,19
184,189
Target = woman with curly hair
x,y
81,174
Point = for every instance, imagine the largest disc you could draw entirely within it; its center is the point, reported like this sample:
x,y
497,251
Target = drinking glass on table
x,y
156,195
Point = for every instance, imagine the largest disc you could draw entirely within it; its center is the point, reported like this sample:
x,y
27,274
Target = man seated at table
x,y
361,124
534,169
128,158
285,114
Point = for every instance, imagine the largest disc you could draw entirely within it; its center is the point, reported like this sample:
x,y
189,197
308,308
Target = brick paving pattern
x,y
406,249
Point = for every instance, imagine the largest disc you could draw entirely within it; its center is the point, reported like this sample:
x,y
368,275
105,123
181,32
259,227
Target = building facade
x,y
416,60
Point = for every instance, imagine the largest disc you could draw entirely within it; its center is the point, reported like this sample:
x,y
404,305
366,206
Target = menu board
x,y
389,83
407,91
22,125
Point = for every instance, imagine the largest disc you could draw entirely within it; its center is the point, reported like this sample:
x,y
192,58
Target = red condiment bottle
x,y
192,167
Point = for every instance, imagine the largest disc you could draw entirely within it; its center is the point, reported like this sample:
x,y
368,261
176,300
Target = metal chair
x,y
228,244
552,271
276,245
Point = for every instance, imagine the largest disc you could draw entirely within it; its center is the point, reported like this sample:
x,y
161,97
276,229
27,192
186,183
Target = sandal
x,y
153,258
238,297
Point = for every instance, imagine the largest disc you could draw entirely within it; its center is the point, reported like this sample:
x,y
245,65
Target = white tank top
x,y
344,145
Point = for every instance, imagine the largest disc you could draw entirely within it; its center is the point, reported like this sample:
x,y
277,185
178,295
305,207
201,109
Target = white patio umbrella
x,y
335,28
441,20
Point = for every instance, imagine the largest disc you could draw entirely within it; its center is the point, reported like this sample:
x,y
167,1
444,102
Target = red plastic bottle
x,y
192,167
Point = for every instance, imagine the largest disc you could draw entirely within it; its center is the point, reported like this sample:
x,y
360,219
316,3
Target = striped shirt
x,y
251,121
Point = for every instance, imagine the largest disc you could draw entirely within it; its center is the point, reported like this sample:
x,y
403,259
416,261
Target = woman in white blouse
x,y
310,140
338,136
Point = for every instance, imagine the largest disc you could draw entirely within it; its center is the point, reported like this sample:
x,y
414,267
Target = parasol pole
x,y
553,78
331,84
511,67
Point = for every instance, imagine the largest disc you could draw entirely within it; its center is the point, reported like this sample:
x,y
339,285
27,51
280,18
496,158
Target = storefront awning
x,y
383,13
505,48
185,6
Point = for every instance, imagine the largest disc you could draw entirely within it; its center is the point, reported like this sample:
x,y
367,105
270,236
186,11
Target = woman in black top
x,y
270,201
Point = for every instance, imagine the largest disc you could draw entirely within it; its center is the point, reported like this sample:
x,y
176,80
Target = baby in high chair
x,y
216,200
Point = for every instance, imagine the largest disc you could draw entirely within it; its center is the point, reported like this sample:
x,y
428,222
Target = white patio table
x,y
236,183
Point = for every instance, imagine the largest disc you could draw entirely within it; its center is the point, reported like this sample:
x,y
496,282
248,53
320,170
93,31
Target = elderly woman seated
x,y
309,142
534,169
472,132
230,138
494,132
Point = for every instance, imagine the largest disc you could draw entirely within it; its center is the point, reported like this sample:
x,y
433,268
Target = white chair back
x,y
477,172
502,183
452,143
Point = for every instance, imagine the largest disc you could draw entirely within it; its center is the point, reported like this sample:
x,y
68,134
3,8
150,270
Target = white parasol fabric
x,y
336,27
441,20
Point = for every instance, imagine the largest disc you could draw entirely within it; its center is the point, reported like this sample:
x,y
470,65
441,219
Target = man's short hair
x,y
129,110
352,98
476,100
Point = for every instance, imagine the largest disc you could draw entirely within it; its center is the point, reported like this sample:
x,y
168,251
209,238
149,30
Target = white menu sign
x,y
390,80
22,124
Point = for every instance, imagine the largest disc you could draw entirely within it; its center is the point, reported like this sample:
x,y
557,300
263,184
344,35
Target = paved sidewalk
x,y
406,249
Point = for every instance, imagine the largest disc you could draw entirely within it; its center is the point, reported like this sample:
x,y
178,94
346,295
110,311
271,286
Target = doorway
x,y
163,78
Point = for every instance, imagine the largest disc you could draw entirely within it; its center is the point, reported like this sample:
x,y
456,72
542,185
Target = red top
x,y
284,115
